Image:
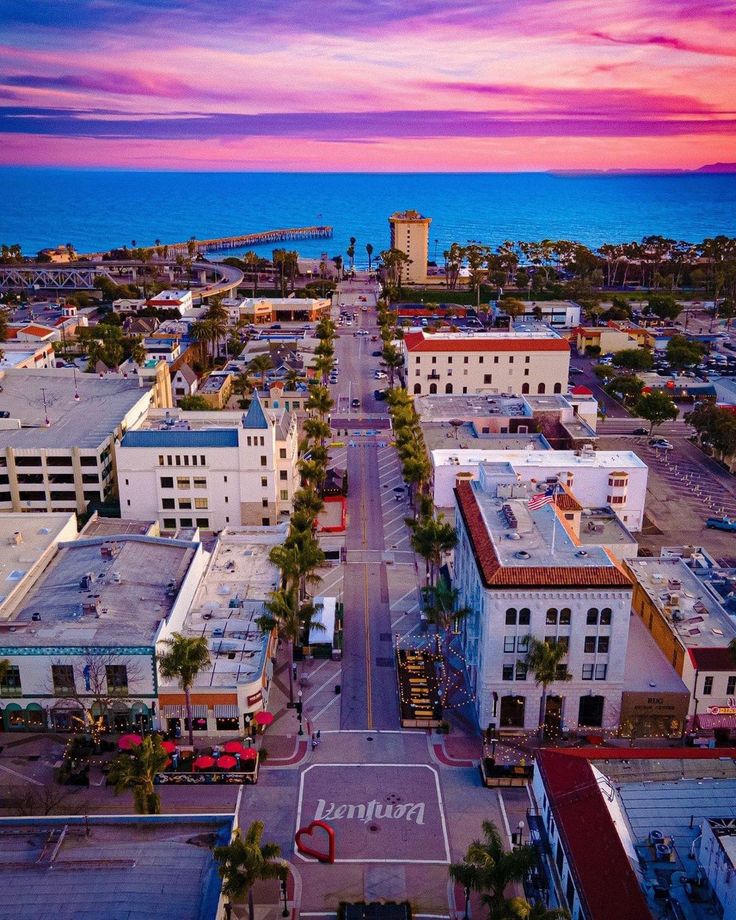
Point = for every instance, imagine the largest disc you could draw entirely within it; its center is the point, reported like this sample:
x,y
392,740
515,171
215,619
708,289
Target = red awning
x,y
708,722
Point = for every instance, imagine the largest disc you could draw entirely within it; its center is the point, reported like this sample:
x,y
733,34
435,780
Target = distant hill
x,y
717,168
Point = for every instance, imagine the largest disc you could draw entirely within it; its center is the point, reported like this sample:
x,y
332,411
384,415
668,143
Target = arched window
x,y
524,388
552,616
432,389
565,615
541,388
448,388
558,388
606,614
417,388
592,617
511,616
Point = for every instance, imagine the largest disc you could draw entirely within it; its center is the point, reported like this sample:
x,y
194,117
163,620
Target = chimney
x,y
17,538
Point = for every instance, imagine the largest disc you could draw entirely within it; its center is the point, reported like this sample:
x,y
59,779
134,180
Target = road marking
x,y
366,616
324,708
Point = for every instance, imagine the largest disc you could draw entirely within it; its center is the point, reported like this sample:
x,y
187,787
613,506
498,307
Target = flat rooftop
x,y
601,526
647,670
228,602
561,460
443,435
113,527
134,584
179,420
214,383
87,422
24,538
692,613
113,868
443,408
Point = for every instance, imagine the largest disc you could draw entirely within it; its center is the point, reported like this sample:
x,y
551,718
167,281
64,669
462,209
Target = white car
x,y
379,375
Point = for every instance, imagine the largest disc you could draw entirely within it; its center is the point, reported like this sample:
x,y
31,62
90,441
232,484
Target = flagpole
x,y
554,519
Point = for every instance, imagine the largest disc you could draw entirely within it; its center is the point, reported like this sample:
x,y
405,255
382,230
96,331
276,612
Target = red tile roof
x,y
713,659
581,390
496,575
40,331
604,878
417,341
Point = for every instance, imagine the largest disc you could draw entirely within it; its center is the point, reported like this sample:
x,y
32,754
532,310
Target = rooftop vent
x,y
522,554
581,552
36,617
17,538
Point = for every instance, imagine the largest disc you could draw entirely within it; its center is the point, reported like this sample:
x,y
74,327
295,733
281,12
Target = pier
x,y
252,239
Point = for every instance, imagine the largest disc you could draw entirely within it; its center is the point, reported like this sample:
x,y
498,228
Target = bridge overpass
x,y
82,276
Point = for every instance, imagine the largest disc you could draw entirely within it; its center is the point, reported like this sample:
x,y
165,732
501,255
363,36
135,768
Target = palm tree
x,y
544,660
317,430
203,334
252,262
319,401
136,770
369,250
432,537
283,615
521,909
323,364
245,861
186,657
488,868
259,365
308,501
292,378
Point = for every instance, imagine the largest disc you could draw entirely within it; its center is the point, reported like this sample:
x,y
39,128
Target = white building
x,y
184,382
717,856
57,437
522,573
524,360
83,636
180,301
27,355
209,469
562,314
225,609
598,478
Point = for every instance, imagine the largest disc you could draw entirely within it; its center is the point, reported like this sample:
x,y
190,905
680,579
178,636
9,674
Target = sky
x,y
368,85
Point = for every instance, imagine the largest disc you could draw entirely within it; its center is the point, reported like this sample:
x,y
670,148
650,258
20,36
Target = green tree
x,y
635,359
627,388
282,614
432,538
521,909
490,869
245,861
513,307
664,306
194,404
544,660
259,365
369,251
656,407
136,770
186,657
683,353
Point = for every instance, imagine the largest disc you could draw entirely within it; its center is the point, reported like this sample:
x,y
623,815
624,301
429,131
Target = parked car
x,y
660,443
723,523
376,354
640,431
380,394
379,375
355,403
576,370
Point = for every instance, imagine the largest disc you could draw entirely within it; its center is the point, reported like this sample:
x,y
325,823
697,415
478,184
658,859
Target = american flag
x,y
543,498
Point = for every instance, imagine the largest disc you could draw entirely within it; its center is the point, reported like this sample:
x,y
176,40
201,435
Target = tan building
x,y
410,234
520,362
217,388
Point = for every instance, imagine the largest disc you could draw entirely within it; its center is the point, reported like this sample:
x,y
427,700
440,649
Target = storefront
x,y
718,723
17,718
653,715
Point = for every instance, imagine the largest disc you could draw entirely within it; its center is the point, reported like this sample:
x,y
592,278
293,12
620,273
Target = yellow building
x,y
410,234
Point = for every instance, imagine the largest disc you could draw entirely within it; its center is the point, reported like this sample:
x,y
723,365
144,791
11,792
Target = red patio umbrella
x,y
126,742
168,746
249,754
226,762
263,718
233,747
204,762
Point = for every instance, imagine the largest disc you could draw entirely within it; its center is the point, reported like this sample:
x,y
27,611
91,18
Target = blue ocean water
x,y
98,209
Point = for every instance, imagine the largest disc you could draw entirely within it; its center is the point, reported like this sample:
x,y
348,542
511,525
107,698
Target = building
x,y
184,382
178,301
260,310
82,638
520,573
635,833
160,347
531,360
605,478
27,355
566,422
216,388
612,337
56,439
686,617
410,235
225,609
209,469
562,314
108,866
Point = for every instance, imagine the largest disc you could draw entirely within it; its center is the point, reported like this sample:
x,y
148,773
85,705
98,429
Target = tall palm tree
x,y
369,250
488,868
308,501
282,614
432,538
245,861
292,378
252,262
317,430
186,657
521,909
544,659
136,770
202,333
323,364
319,401
259,365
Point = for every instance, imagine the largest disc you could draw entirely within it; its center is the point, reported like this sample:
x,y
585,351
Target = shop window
x,y
62,678
10,684
512,711
117,679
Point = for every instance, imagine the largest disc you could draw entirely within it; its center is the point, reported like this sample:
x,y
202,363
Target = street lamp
x,y
299,712
520,829
282,883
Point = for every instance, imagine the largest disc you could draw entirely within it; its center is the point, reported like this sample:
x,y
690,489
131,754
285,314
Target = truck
x,y
720,523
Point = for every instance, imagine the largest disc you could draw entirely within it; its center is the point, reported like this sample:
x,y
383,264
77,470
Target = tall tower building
x,y
410,234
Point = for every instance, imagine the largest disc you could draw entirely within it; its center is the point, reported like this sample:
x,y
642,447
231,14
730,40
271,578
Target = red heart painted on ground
x,y
309,831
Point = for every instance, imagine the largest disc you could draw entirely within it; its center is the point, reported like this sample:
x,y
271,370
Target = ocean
x,y
99,209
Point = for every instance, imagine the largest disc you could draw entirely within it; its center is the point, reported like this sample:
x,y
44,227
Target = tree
x,y
656,407
245,861
635,359
369,251
627,388
683,353
664,306
521,909
282,614
544,660
136,770
433,537
259,365
186,657
194,404
489,869
513,307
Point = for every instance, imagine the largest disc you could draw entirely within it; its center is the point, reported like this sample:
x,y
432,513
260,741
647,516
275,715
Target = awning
x,y
199,711
227,712
172,712
709,722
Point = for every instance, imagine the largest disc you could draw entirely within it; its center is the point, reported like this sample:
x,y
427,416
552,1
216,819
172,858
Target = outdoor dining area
x,y
234,761
419,689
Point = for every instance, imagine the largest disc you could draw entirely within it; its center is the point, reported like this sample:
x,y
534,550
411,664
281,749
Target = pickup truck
x,y
721,523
